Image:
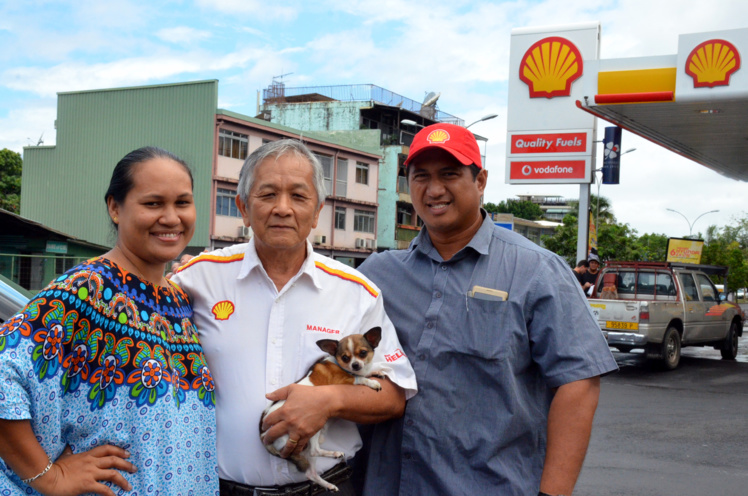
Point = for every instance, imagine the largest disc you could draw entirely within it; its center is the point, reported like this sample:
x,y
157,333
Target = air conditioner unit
x,y
360,243
245,232
371,244
320,239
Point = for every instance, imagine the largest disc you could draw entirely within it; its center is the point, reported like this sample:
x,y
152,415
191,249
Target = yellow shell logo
x,y
223,310
438,136
550,66
712,63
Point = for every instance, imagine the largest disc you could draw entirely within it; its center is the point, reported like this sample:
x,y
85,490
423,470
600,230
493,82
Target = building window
x,y
340,218
326,162
341,180
225,204
231,144
363,221
404,215
402,174
362,173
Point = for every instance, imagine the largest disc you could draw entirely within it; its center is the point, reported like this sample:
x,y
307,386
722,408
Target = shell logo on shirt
x,y
550,66
712,63
223,310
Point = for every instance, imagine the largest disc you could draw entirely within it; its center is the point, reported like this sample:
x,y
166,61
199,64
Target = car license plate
x,y
621,325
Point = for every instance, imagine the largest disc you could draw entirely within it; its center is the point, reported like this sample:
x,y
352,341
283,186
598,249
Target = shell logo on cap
x,y
223,310
438,136
712,63
550,66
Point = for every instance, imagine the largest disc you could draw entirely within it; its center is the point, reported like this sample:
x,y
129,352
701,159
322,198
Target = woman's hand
x,y
82,473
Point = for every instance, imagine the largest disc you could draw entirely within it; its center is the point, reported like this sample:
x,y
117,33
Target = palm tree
x,y
600,203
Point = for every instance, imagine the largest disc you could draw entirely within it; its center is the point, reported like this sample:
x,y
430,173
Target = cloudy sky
x,y
411,47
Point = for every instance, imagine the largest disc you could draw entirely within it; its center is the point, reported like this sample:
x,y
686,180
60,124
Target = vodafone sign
x,y
548,171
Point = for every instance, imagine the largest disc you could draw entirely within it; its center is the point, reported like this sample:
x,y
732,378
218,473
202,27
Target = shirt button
x,y
422,356
443,267
429,325
437,295
409,422
273,382
406,456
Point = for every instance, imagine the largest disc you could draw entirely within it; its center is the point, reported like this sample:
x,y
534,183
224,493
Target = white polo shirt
x,y
257,339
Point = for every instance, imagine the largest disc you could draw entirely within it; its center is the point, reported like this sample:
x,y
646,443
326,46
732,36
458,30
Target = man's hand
x,y
73,474
304,413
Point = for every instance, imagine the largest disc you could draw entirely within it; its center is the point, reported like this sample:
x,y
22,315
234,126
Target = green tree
x,y
563,242
10,180
606,209
522,209
491,208
653,247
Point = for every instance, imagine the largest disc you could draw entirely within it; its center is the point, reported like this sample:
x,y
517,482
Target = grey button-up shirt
x,y
485,369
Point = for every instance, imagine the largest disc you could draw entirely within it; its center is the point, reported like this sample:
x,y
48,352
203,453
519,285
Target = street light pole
x,y
484,118
409,122
598,181
691,224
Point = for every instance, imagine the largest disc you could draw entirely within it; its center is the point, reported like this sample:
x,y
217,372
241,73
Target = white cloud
x,y
183,35
24,127
251,8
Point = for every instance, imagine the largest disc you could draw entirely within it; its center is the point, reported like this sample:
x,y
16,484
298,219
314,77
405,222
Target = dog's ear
x,y
373,336
329,346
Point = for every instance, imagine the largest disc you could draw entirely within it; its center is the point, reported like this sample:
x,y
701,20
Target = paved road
x,y
683,432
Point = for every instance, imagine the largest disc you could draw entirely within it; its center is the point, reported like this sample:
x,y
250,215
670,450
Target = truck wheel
x,y
729,348
671,348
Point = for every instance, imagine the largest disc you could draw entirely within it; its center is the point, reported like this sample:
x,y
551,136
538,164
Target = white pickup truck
x,y
662,307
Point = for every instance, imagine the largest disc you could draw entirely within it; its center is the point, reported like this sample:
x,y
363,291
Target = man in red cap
x,y
505,349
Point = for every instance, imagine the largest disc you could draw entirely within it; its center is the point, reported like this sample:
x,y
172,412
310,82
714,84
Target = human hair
x,y
122,182
277,149
583,263
474,170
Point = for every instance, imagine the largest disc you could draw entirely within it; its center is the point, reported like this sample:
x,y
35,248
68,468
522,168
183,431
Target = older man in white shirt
x,y
261,307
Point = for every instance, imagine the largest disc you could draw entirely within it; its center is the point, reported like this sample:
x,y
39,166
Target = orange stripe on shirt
x,y
212,258
347,277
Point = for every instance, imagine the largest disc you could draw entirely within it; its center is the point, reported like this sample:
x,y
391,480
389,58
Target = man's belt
x,y
336,475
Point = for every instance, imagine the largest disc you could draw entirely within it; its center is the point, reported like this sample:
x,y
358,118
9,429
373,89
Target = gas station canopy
x,y
694,103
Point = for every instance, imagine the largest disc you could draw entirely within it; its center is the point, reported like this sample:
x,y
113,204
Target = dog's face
x,y
353,353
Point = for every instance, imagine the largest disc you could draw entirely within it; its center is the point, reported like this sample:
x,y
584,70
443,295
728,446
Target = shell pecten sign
x,y
550,66
712,63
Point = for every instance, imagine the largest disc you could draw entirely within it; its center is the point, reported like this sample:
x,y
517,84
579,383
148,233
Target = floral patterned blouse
x,y
101,356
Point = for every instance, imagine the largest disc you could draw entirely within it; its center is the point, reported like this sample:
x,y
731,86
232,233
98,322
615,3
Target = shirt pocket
x,y
474,327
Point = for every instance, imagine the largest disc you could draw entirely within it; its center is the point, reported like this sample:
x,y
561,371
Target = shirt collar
x,y
252,260
479,243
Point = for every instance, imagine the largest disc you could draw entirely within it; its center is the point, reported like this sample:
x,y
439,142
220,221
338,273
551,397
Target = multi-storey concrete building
x,y
63,185
349,112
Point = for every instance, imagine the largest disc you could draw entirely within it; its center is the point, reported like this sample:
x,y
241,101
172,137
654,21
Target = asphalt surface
x,y
682,432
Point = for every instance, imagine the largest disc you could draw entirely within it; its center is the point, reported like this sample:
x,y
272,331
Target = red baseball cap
x,y
458,141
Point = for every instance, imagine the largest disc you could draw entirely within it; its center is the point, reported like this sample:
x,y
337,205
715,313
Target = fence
x,y
278,93
34,272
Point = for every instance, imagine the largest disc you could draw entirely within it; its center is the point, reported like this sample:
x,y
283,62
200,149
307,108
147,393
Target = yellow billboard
x,y
684,250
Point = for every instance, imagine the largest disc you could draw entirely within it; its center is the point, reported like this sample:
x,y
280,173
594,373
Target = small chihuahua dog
x,y
349,362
